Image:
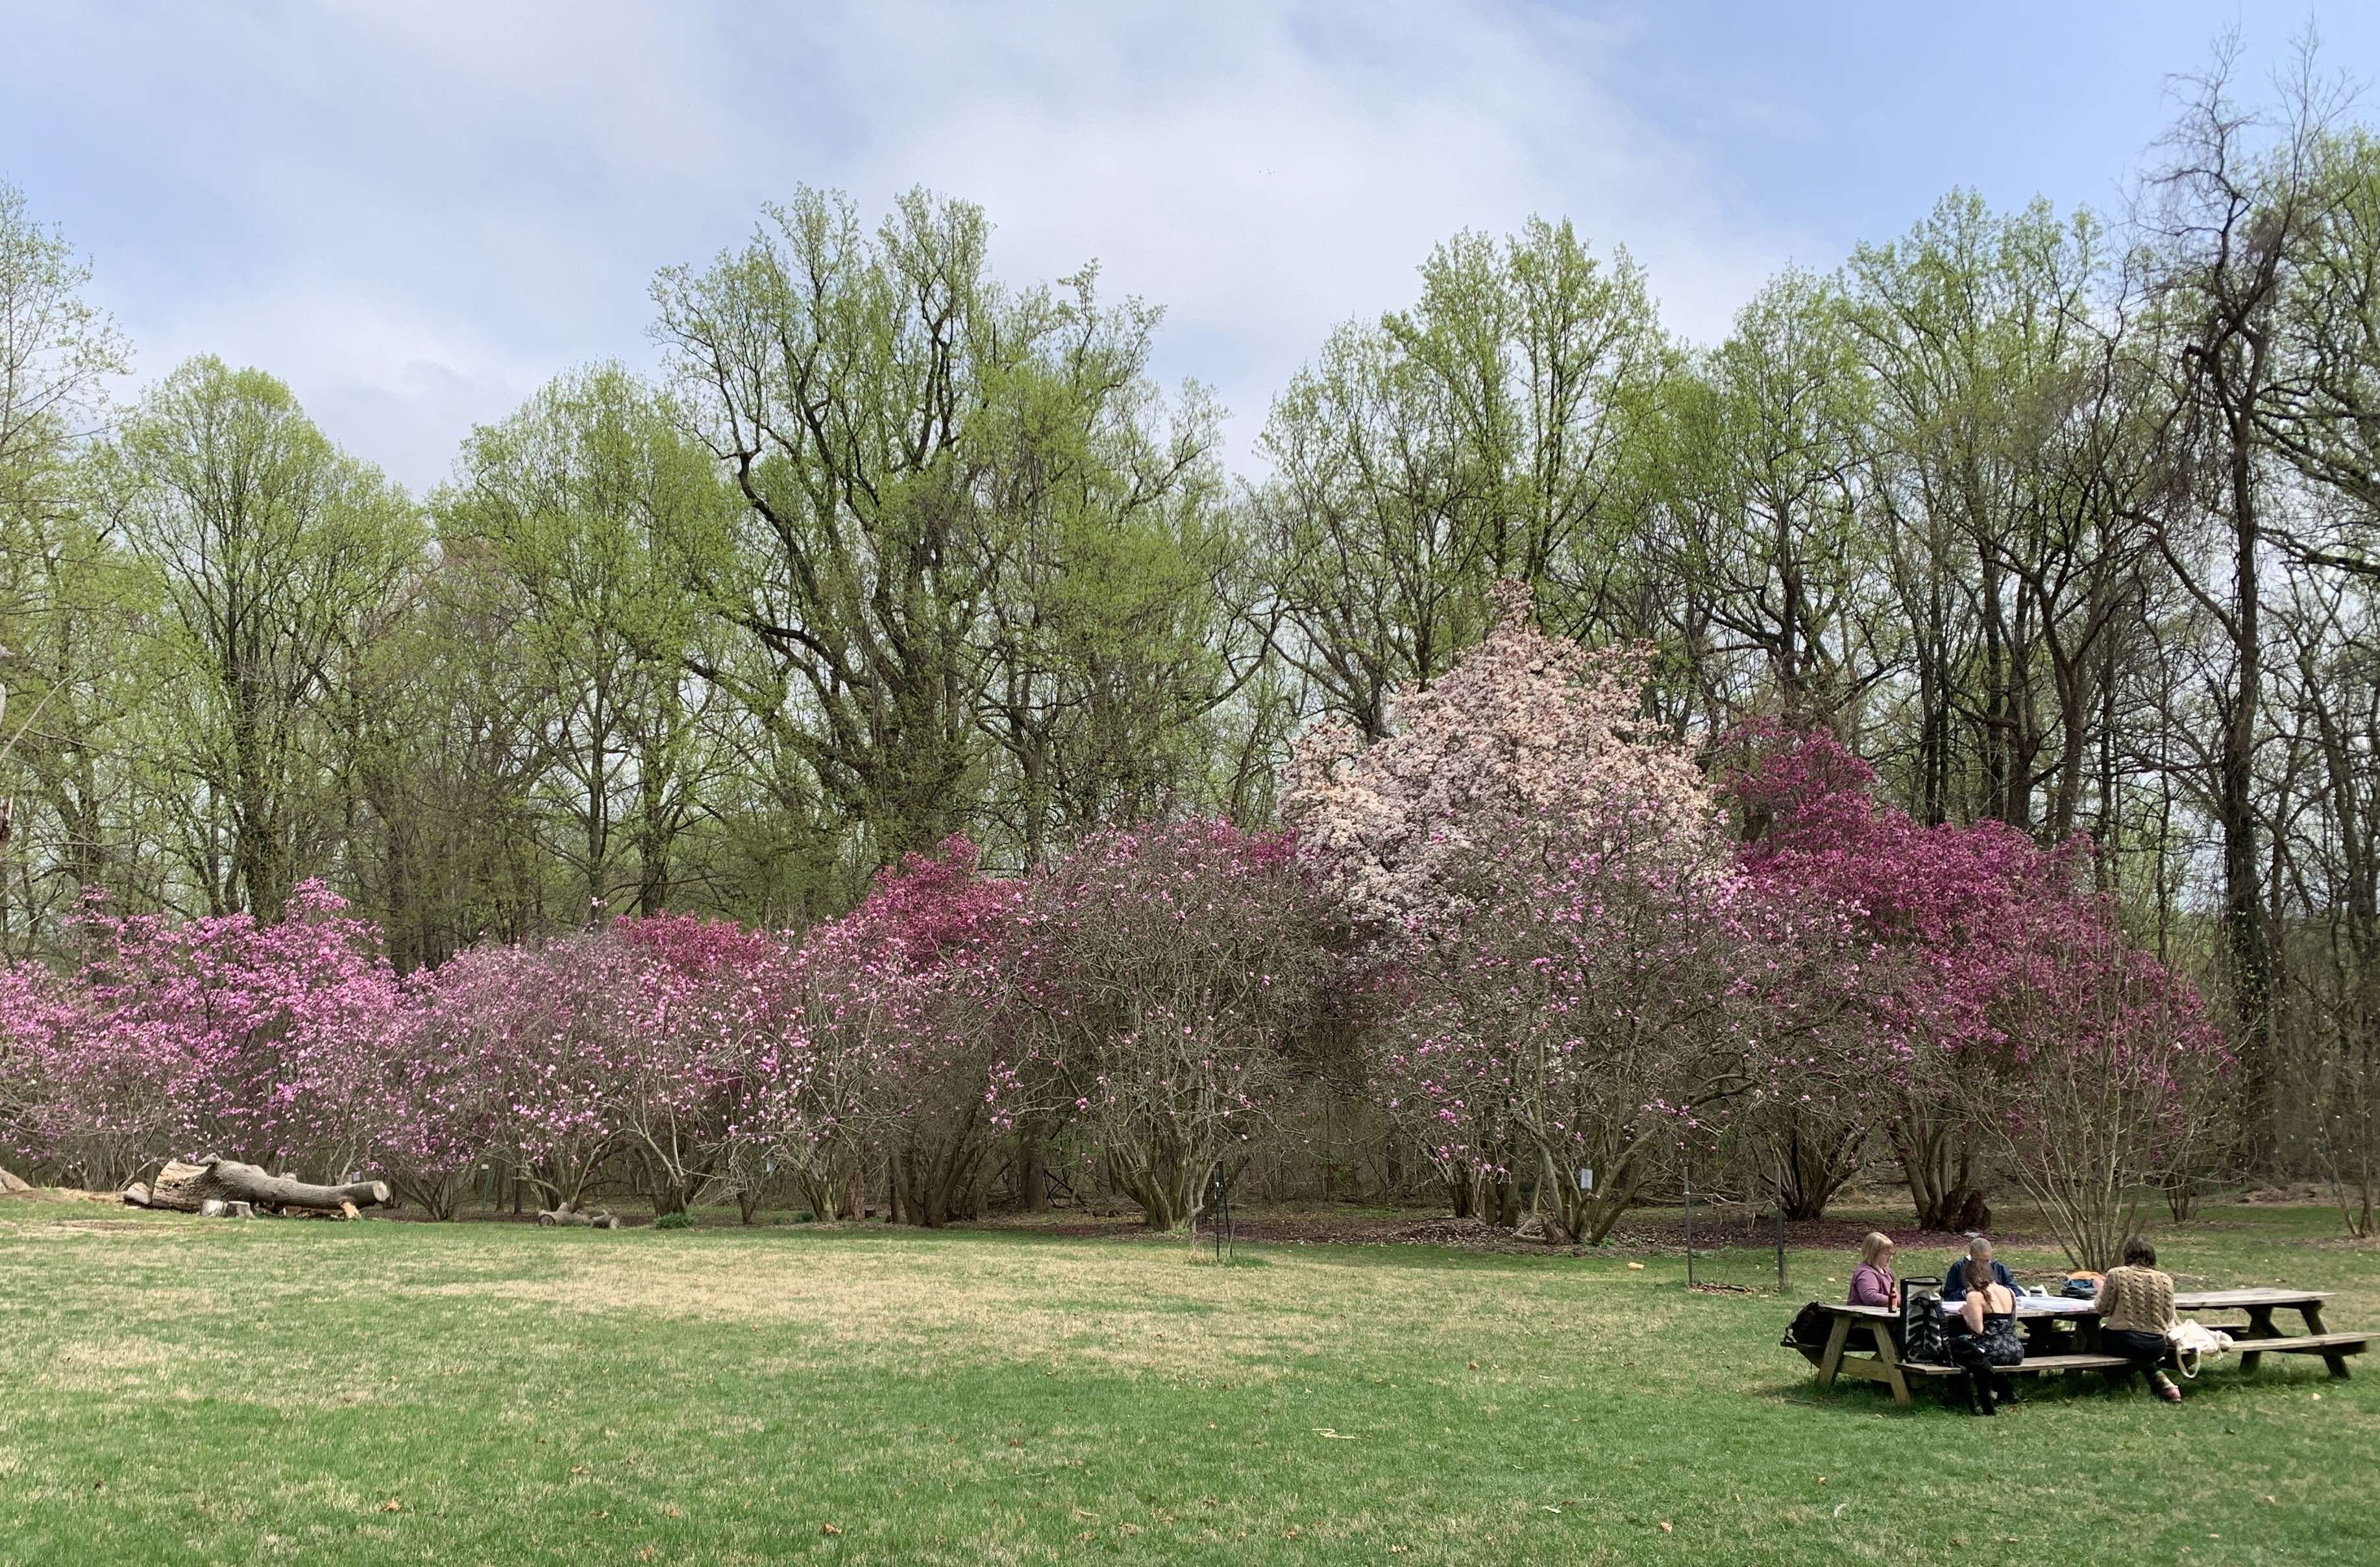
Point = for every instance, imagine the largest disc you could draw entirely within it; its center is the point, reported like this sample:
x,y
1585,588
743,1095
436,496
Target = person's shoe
x,y
2168,1392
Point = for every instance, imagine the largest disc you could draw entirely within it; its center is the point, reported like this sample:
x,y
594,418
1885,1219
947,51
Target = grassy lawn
x,y
185,1390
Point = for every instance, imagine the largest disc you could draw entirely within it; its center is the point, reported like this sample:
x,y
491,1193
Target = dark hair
x,y
2138,1253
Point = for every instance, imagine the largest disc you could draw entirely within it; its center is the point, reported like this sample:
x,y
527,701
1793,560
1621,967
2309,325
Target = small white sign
x,y
1585,1179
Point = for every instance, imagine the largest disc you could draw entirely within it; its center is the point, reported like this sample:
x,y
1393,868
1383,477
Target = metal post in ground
x,y
1690,1223
1780,1226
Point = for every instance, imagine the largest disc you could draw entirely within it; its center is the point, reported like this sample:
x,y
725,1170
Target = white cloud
x,y
415,213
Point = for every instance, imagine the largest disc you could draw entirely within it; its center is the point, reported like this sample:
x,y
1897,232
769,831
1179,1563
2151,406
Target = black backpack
x,y
1810,1328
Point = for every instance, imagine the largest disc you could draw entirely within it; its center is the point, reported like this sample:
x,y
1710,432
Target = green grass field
x,y
178,1389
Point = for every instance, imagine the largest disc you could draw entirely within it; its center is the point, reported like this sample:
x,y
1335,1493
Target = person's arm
x,y
1972,1309
1954,1280
1868,1287
2111,1290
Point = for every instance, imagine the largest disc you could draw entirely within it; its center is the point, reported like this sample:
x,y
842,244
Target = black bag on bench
x,y
1810,1327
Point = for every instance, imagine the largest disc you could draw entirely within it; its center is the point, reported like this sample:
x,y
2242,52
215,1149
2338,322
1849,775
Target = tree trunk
x,y
1032,1178
182,1187
567,1215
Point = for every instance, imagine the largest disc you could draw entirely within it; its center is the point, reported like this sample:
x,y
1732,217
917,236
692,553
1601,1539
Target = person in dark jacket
x,y
1977,1264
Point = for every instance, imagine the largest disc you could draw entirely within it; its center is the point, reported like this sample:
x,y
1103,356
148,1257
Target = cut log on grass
x,y
565,1214
10,1185
186,1188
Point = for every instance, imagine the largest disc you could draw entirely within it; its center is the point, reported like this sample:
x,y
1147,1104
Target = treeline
x,y
2061,522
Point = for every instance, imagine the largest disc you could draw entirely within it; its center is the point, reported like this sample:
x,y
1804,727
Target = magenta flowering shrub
x,y
1976,997
1924,924
912,1007
1175,970
39,1016
207,1036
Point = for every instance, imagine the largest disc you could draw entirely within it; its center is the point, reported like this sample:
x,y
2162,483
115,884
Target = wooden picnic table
x,y
2038,1314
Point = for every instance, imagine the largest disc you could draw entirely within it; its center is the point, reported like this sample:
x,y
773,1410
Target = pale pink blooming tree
x,y
1529,739
1176,971
1574,1024
1549,870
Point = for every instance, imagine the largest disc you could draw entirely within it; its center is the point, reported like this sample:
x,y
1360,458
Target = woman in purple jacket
x,y
1872,1280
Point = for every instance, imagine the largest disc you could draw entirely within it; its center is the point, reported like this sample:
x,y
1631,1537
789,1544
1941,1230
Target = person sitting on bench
x,y
1872,1280
1976,1264
2136,1308
1983,1338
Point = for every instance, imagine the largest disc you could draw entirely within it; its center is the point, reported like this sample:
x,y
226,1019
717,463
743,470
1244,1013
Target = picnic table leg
x,y
2337,1362
1890,1359
2260,1325
1834,1357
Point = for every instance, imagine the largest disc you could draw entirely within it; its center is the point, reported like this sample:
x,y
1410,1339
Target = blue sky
x,y
416,212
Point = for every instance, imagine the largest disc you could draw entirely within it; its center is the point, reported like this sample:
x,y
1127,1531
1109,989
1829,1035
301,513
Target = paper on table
x,y
2035,1305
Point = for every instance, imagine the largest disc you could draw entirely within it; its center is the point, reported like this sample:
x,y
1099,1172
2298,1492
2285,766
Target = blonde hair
x,y
1877,1247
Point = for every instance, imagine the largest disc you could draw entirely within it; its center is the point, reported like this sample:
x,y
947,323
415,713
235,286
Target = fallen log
x,y
565,1214
187,1187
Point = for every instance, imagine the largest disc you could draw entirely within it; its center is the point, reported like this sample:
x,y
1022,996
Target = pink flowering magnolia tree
x,y
437,1115
2106,1078
218,1035
1176,971
1925,920
39,1015
1549,870
1529,739
550,1032
719,1023
911,1000
1976,998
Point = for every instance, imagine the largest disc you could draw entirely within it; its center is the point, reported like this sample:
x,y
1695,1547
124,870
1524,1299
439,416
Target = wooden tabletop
x,y
2222,1300
2185,1300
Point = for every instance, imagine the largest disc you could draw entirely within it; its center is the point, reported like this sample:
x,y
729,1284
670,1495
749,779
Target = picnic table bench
x,y
2038,1313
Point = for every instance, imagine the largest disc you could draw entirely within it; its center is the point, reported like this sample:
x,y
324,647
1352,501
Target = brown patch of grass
x,y
1103,1305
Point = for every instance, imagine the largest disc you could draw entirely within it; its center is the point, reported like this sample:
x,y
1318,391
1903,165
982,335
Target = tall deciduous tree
x,y
905,433
60,604
1474,437
279,557
599,512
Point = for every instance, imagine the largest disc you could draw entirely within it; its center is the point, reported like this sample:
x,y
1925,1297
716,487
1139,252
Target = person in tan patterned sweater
x,y
2136,1308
